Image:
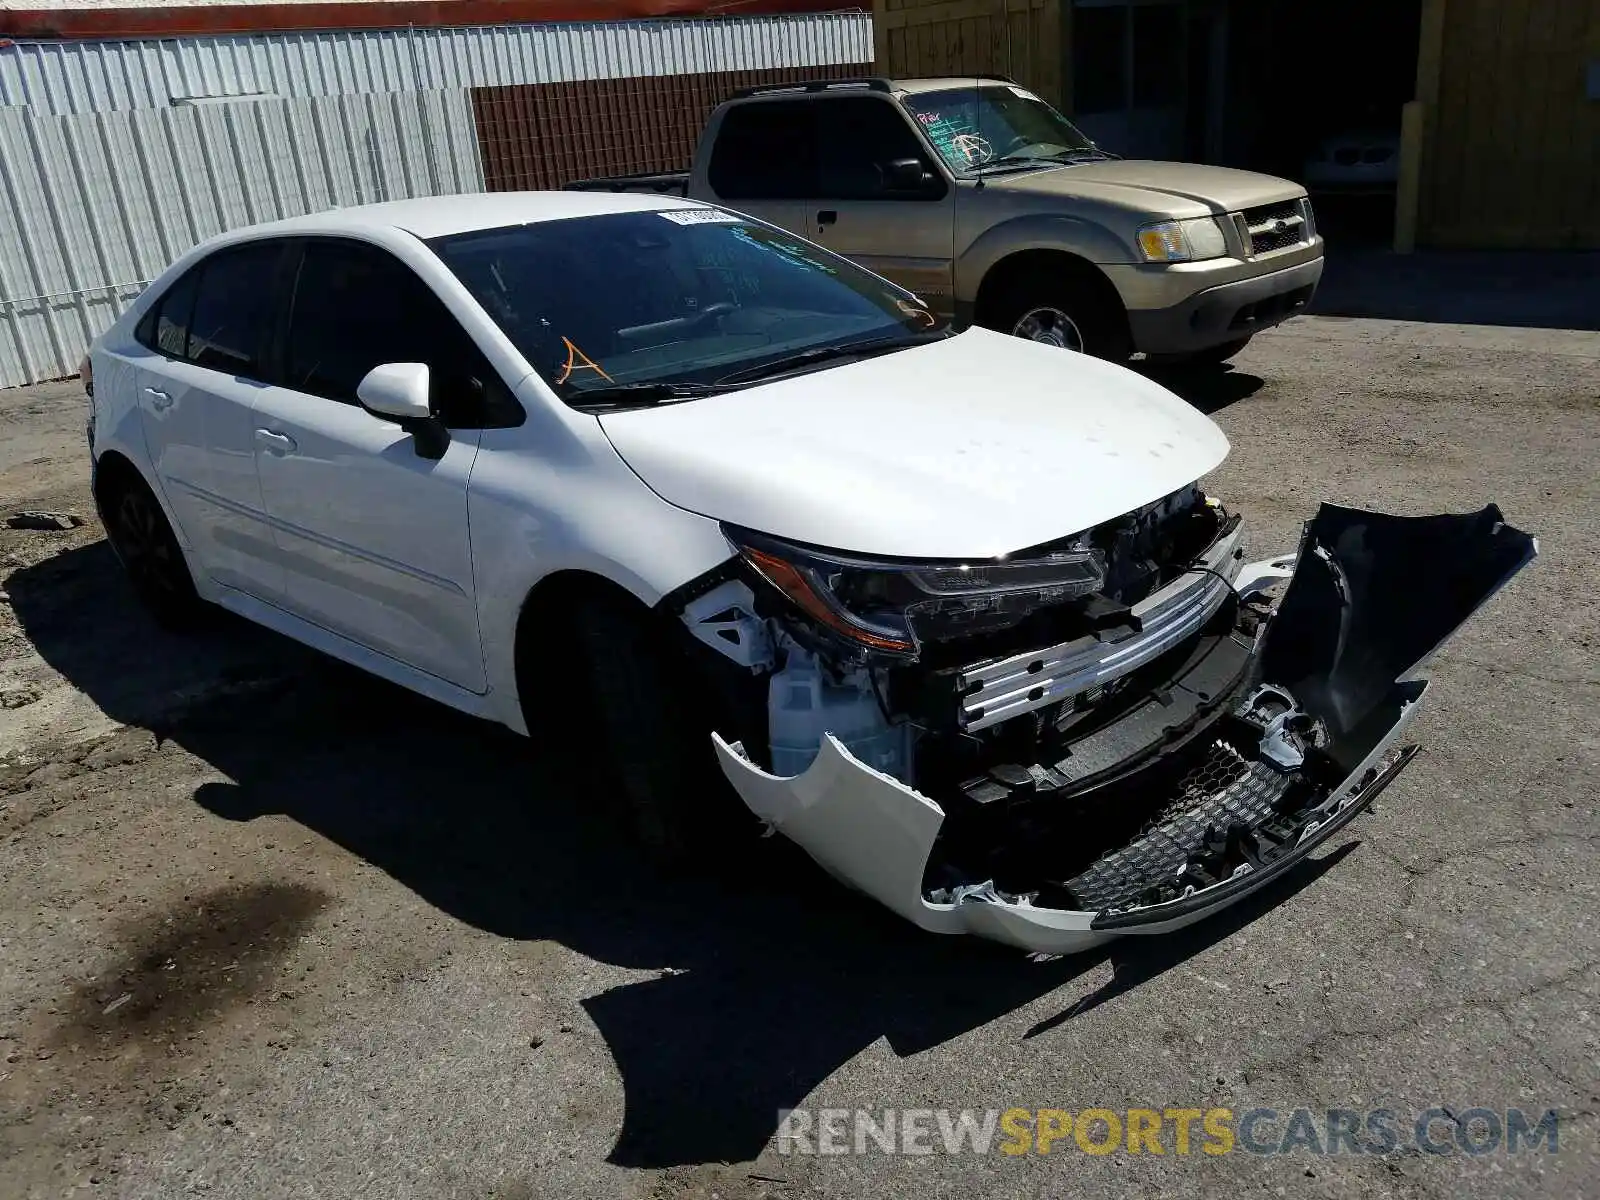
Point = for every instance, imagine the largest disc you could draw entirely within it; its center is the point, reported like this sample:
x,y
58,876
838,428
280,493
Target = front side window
x,y
695,297
860,136
975,129
356,307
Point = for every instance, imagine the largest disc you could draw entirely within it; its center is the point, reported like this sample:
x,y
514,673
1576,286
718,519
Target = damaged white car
x,y
948,610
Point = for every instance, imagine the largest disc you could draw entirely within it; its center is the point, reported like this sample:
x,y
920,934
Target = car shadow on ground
x,y
777,977
1210,387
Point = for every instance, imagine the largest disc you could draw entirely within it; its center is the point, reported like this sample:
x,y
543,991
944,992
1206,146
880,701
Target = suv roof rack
x,y
872,83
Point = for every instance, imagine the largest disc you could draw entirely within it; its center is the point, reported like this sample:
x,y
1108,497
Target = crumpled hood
x,y
973,447
1181,189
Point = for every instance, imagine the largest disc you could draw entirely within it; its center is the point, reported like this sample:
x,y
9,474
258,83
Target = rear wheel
x,y
1067,312
145,544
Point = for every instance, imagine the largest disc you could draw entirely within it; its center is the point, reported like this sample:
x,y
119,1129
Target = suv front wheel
x,y
1067,313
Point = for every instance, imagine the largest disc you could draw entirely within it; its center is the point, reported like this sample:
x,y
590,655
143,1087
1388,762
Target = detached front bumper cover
x,y
1370,600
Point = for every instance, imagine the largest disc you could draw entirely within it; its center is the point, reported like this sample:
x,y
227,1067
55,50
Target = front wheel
x,y
654,719
1066,313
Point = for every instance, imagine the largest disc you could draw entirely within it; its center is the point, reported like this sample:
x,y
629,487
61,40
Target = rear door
x,y
208,340
903,233
373,535
764,161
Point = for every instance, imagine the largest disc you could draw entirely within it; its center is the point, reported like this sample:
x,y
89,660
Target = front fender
x,y
1063,234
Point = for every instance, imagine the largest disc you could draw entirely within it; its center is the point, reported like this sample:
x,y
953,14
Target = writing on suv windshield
x,y
996,125
649,307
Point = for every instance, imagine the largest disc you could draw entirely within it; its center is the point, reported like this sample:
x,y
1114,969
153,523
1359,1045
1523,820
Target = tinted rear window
x,y
233,310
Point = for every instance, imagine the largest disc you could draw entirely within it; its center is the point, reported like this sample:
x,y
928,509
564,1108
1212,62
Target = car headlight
x,y
887,606
1182,241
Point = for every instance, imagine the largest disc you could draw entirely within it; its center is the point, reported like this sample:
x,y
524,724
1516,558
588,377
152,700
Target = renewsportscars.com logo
x,y
1176,1131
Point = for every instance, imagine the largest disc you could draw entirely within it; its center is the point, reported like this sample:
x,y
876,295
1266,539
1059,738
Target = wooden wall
x,y
1511,152
1019,38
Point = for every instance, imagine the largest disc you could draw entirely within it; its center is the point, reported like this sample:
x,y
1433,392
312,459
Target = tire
x,y
654,719
144,543
1217,355
1068,311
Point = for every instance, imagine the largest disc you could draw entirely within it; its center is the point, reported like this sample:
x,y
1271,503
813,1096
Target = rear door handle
x,y
276,443
159,400
827,216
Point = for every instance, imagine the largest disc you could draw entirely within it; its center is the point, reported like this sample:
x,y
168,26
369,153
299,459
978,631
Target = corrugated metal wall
x,y
104,201
546,135
1512,149
108,181
99,76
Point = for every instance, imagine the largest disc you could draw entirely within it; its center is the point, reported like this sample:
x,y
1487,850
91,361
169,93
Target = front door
x,y
198,384
373,535
902,233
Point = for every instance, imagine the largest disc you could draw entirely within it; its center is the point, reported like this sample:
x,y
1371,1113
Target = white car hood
x,y
976,446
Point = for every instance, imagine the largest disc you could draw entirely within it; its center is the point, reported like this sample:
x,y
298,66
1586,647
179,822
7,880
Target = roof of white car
x,y
439,216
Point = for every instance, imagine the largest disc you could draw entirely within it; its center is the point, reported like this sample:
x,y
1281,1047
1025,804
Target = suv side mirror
x,y
905,175
401,391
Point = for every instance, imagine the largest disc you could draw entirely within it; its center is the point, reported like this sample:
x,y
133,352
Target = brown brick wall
x,y
543,135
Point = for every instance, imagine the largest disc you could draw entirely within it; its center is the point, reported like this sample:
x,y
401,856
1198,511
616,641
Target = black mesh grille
x,y
1275,226
1221,792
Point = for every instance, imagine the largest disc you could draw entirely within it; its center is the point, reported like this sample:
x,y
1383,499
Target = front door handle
x,y
276,443
159,400
827,216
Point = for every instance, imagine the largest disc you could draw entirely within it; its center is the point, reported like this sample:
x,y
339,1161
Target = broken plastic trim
x,y
1372,598
996,691
1381,594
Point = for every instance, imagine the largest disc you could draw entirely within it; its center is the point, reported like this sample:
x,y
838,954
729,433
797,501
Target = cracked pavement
x,y
270,928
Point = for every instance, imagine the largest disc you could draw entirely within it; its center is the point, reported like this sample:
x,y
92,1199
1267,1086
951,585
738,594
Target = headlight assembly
x,y
1182,241
888,606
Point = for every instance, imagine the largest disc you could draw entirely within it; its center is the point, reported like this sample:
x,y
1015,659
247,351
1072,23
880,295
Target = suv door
x,y
902,231
208,338
373,534
764,161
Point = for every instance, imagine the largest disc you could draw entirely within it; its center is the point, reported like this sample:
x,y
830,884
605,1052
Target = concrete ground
x,y
269,928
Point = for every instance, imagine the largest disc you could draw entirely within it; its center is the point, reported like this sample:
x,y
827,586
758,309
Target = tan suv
x,y
992,207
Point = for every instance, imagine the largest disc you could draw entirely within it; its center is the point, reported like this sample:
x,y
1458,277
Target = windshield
x,y
975,128
675,301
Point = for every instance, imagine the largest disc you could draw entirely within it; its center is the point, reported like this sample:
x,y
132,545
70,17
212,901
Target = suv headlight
x,y
1182,241
877,605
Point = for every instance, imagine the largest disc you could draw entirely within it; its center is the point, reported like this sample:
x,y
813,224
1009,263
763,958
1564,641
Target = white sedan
x,y
947,609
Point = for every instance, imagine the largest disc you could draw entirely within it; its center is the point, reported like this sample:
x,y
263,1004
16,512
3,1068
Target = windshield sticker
x,y
573,363
789,252
699,216
1020,93
955,140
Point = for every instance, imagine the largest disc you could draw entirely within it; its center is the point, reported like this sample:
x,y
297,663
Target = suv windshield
x,y
645,307
988,125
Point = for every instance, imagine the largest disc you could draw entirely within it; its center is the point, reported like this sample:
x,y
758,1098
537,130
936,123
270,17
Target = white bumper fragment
x,y
1370,598
875,834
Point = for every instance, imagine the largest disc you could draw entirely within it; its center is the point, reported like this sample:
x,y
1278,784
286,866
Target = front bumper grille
x,y
1270,227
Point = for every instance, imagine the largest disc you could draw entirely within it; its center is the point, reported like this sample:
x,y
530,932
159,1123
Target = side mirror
x,y
905,175
398,390
401,391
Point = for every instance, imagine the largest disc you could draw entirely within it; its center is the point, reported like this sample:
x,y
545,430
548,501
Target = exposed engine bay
x,y
1119,731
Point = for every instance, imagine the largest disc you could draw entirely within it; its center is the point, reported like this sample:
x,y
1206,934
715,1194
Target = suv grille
x,y
1273,226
